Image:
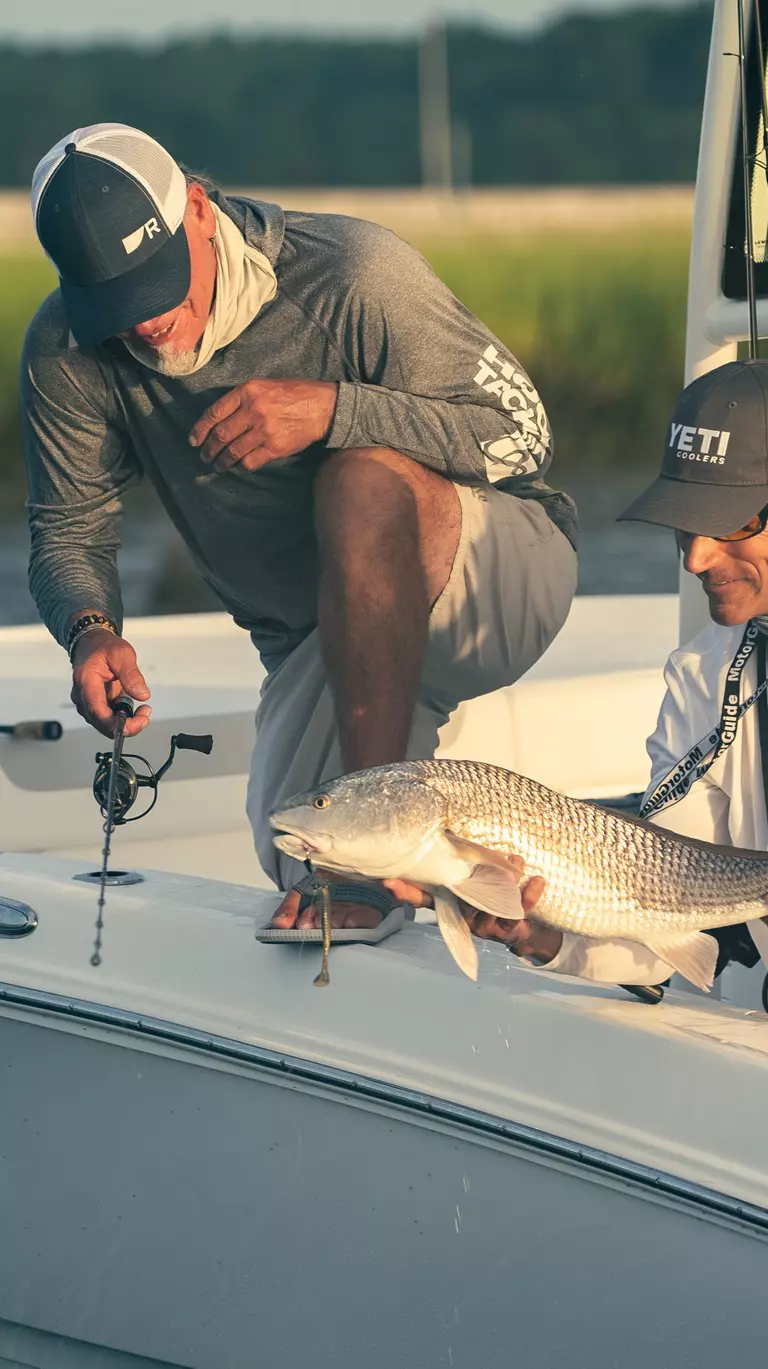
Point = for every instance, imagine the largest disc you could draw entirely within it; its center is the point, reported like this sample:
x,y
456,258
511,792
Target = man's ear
x,y
199,211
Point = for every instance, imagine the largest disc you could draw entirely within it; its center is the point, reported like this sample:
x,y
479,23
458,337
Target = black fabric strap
x,y
701,757
762,715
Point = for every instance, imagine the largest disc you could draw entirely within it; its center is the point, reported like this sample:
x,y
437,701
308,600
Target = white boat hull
x,y
206,1162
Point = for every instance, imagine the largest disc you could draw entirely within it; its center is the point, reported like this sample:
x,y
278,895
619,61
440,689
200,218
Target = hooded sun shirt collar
x,y
245,282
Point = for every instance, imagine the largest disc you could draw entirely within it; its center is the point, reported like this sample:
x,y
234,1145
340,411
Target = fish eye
x,y
322,801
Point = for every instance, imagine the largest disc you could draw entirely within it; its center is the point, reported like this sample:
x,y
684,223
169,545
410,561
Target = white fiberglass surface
x,y
658,1085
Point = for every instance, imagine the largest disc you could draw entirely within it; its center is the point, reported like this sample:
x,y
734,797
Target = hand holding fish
x,y
443,825
524,936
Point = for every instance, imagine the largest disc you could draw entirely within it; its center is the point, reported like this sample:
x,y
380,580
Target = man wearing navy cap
x,y
709,752
355,463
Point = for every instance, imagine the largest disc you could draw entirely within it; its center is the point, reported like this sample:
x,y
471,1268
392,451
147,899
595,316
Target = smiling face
x,y
734,575
174,336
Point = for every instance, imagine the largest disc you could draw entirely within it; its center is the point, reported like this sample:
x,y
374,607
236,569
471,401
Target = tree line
x,y
611,99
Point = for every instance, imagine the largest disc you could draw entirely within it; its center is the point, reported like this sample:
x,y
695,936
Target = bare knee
x,y
375,498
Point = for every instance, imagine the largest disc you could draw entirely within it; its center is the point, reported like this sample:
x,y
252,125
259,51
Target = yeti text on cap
x,y
700,444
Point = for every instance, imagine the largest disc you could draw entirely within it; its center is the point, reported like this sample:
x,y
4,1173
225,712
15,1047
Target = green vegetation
x,y
24,282
598,320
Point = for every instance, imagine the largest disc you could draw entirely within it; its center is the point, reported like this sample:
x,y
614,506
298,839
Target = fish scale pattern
x,y
604,871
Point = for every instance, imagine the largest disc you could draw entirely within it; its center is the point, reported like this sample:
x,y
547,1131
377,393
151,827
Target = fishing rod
x,y
746,161
116,788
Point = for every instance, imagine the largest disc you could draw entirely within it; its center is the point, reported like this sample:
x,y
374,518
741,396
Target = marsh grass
x,y
25,280
597,318
599,321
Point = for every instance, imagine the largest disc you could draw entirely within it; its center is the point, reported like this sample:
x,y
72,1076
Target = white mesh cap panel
x,y
47,165
134,152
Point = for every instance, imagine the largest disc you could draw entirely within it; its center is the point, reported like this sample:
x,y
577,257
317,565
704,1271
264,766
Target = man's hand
x,y
524,936
342,914
263,420
105,667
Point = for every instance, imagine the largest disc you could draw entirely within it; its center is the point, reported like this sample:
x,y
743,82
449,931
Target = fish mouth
x,y
296,843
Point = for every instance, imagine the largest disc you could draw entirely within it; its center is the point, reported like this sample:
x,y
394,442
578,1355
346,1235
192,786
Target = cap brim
x,y
97,312
709,510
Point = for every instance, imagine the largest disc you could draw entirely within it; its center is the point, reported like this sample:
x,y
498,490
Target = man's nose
x,y
699,554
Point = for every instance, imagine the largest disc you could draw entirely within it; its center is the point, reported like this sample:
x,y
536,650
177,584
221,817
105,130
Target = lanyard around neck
x,y
701,757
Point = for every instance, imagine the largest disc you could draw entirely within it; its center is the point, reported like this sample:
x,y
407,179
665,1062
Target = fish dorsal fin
x,y
455,932
692,954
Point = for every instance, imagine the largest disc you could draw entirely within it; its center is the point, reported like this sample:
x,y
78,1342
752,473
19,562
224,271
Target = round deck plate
x,y
16,919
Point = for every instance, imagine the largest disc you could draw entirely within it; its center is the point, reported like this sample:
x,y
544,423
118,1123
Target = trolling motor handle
x,y
48,731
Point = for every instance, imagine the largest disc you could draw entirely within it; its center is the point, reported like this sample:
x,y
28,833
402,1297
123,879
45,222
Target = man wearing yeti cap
x,y
709,752
714,473
354,461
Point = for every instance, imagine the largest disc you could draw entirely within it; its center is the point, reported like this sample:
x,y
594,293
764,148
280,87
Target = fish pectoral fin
x,y
455,932
475,854
692,954
492,890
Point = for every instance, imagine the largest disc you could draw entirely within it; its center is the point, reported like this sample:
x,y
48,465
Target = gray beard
x,y
172,363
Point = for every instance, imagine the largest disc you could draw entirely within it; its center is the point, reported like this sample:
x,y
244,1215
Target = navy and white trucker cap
x,y
108,204
714,474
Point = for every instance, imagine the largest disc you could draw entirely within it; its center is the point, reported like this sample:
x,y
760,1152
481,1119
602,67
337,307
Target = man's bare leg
x,y
387,531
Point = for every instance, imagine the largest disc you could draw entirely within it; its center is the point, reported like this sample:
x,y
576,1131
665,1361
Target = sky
x,y
90,20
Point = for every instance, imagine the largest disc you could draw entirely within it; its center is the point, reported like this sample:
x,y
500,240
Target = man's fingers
x,y
139,721
287,912
518,865
405,892
255,457
223,435
342,914
222,408
485,926
93,700
128,680
356,915
241,447
531,892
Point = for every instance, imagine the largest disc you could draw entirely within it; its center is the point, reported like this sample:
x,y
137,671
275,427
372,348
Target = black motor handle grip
x,y
186,742
33,731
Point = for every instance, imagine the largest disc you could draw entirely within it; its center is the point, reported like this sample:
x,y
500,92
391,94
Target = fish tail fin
x,y
455,932
692,954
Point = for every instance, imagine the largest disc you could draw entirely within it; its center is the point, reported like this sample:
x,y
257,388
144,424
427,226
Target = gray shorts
x,y
508,595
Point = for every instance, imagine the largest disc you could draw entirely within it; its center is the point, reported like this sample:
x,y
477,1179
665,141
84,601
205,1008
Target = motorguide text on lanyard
x,y
695,764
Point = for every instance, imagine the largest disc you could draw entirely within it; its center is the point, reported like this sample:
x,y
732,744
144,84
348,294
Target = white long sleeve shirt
x,y
726,806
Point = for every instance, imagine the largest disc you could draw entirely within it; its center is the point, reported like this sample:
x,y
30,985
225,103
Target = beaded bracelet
x,y
85,624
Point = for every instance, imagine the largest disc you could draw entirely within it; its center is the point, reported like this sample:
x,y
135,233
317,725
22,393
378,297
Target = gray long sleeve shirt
x,y
356,305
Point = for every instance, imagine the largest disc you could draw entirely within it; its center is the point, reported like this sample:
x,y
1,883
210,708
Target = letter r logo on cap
x,y
133,240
